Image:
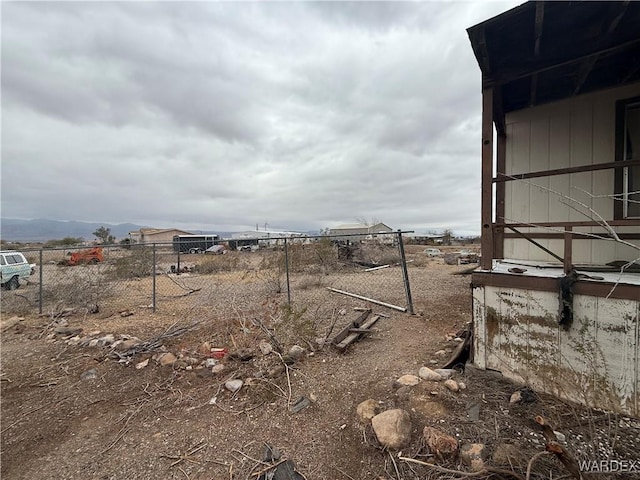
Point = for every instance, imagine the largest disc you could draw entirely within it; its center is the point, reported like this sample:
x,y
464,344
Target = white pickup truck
x,y
13,267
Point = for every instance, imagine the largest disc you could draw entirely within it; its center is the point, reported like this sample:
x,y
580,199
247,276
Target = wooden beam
x,y
533,92
498,112
584,71
568,251
588,65
501,163
527,237
564,171
575,235
486,213
538,27
536,67
549,284
629,222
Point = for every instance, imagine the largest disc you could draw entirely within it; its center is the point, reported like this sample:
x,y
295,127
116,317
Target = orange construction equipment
x,y
92,256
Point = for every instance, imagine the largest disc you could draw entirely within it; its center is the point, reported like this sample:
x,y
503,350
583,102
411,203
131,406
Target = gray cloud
x,y
223,115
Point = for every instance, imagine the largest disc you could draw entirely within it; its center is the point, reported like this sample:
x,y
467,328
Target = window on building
x,y
628,149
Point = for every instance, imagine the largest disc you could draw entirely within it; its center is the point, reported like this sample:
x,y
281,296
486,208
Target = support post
x,y
487,179
286,266
405,274
568,250
40,286
153,273
501,162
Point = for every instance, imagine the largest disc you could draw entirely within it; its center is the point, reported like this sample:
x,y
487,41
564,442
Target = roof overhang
x,y
541,52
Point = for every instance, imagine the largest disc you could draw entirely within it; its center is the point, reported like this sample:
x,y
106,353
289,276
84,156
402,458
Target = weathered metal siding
x,y
595,362
574,132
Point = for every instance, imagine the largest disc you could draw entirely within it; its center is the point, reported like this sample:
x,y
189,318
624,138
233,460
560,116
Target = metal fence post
x,y
286,264
40,299
405,274
153,301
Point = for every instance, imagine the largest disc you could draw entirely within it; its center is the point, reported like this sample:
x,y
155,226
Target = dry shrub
x,y
320,256
377,254
19,303
138,264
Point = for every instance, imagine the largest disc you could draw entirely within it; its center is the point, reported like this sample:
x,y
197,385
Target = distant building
x,y
359,231
261,238
156,235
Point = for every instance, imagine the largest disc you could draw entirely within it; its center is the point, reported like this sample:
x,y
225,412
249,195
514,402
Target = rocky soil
x,y
257,391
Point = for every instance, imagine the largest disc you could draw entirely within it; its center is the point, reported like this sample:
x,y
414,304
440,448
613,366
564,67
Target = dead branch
x,y
532,461
480,473
266,469
154,343
560,452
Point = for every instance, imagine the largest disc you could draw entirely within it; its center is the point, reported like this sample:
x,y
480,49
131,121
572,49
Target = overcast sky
x,y
224,115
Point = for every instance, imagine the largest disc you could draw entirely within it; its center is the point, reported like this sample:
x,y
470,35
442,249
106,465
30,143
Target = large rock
x,y
367,410
392,428
428,374
440,444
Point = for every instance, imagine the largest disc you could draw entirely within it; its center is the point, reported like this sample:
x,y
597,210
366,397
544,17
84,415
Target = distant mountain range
x,y
41,230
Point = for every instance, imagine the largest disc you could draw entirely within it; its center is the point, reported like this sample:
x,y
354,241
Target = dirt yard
x,y
72,410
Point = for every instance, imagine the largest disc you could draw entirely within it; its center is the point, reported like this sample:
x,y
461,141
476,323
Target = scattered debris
x,y
126,313
141,365
89,375
523,395
354,331
300,404
152,345
377,302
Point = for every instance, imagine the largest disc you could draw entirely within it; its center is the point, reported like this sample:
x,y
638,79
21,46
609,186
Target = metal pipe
x,y
377,302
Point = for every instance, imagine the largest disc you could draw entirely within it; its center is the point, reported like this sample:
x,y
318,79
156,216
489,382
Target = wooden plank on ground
x,y
355,324
352,337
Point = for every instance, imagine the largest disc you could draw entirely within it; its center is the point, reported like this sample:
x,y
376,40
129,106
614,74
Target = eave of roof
x,y
540,52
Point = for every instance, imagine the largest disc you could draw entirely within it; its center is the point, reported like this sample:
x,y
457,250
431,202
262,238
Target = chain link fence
x,y
307,272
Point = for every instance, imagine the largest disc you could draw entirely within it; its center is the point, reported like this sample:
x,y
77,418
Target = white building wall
x,y
595,362
574,132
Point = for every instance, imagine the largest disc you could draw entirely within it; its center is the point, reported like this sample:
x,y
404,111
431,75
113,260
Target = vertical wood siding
x,y
574,132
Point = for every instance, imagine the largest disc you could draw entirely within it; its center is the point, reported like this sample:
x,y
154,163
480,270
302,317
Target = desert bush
x,y
377,254
138,264
292,325
221,263
317,257
84,286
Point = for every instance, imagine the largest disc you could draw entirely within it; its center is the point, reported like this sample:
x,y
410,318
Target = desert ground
x,y
121,391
